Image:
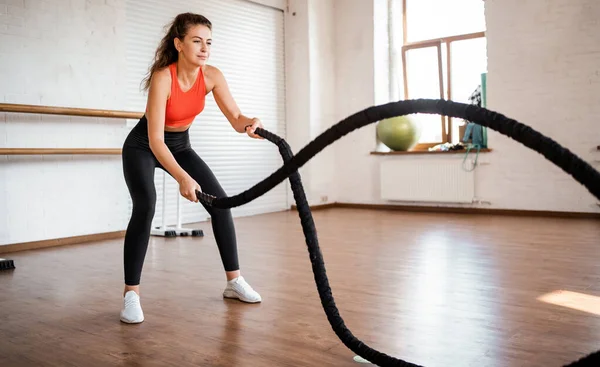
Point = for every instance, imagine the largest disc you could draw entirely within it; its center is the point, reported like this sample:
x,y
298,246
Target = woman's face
x,y
195,47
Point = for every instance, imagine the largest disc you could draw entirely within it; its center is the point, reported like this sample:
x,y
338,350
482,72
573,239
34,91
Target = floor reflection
x,y
573,300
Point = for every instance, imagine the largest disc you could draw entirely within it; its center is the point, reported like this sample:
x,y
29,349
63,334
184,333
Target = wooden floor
x,y
432,289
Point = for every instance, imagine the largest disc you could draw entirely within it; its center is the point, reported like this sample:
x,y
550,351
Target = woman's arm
x,y
230,109
160,86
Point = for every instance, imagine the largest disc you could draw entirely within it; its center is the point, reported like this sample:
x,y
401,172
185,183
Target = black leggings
x,y
139,164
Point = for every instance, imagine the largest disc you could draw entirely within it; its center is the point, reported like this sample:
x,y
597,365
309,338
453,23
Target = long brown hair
x,y
166,53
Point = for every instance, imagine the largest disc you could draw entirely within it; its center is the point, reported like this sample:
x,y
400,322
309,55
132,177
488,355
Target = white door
x,y
248,47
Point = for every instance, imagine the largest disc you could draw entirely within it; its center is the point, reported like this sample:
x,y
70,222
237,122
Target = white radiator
x,y
440,180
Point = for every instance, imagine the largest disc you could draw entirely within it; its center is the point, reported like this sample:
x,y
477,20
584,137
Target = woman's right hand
x,y
188,187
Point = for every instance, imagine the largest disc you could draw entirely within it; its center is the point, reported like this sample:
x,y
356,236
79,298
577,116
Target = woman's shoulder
x,y
161,80
164,72
162,75
212,77
212,72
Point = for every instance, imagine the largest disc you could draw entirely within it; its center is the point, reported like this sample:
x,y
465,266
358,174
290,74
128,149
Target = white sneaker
x,y
132,310
238,288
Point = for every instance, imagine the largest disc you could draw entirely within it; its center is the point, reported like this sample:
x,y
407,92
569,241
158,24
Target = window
x,y
434,19
443,57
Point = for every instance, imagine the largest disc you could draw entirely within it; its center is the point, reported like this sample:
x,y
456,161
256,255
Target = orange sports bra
x,y
183,107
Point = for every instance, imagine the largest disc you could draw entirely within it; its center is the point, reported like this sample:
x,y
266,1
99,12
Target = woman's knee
x,y
220,214
144,208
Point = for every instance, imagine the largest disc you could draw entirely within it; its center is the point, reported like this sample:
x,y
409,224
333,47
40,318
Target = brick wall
x,y
544,70
61,53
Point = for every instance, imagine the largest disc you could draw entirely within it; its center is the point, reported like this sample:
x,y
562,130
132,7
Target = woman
x,y
177,84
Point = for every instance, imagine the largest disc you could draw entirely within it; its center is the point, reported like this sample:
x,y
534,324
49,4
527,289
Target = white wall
x,y
322,96
297,64
543,70
79,61
310,78
356,169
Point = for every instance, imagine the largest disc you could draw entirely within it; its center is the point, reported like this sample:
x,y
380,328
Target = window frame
x,y
446,121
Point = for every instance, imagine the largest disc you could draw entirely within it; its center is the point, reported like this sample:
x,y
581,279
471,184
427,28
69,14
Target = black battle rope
x,y
563,158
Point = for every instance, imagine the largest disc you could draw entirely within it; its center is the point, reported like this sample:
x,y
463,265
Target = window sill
x,y
463,151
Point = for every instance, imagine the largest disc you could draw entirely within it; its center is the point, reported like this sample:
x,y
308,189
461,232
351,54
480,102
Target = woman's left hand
x,y
250,129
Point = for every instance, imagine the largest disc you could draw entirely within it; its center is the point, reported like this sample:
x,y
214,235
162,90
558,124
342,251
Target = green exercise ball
x,y
398,133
